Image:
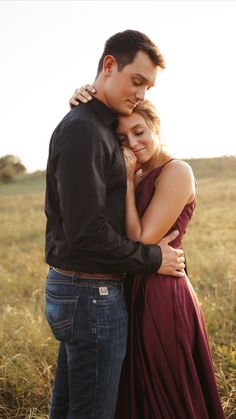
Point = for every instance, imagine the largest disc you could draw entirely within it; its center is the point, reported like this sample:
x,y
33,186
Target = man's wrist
x,y
154,257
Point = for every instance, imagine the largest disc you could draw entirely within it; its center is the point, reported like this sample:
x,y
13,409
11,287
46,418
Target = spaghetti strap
x,y
168,162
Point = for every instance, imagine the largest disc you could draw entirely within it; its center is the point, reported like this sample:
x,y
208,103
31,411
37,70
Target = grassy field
x,y
27,350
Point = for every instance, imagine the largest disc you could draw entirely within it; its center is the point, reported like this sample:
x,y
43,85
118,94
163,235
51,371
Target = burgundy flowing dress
x,y
168,371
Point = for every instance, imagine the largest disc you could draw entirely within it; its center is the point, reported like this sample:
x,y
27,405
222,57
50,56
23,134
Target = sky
x,y
49,48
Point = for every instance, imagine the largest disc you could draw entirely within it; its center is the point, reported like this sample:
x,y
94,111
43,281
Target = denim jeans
x,y
89,317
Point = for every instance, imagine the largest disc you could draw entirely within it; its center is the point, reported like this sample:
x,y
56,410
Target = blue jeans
x,y
89,317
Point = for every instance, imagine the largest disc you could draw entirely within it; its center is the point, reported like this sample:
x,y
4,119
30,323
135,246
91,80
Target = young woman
x,y
168,371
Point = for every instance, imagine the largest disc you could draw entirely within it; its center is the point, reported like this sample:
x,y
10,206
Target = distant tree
x,y
10,167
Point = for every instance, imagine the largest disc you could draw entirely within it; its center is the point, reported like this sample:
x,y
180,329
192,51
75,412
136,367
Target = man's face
x,y
126,88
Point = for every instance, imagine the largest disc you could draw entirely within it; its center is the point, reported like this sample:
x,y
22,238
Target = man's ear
x,y
109,62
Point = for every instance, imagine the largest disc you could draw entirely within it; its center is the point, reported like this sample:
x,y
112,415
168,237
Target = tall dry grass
x,y
27,350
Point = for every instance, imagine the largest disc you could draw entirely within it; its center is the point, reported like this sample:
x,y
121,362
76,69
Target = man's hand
x,y
172,259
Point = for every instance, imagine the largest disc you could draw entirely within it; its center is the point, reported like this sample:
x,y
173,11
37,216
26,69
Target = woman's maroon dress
x,y
168,371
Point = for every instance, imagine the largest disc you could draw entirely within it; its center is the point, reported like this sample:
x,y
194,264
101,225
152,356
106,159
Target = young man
x,y
85,237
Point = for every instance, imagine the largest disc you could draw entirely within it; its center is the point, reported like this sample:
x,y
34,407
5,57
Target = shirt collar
x,y
106,114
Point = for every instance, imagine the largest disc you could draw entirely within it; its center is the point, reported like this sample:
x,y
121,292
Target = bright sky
x,y
48,48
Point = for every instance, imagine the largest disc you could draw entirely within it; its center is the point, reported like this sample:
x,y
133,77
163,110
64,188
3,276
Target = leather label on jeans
x,y
103,290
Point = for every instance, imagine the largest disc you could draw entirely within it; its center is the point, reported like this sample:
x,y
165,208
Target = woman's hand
x,y
83,94
130,162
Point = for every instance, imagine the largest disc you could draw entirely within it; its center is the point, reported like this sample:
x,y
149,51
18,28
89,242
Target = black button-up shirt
x,y
85,197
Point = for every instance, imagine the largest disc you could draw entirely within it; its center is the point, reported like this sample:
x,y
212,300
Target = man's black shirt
x,y
85,197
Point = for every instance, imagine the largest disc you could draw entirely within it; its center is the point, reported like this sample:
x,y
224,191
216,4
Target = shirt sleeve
x,y
82,163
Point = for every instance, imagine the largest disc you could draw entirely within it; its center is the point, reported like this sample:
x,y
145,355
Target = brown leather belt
x,y
88,275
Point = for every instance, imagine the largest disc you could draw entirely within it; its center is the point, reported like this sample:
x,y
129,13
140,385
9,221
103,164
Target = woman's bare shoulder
x,y
177,175
178,167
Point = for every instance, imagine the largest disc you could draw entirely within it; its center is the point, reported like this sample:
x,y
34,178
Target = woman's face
x,y
133,132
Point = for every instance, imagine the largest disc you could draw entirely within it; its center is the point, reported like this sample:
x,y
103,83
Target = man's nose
x,y
140,95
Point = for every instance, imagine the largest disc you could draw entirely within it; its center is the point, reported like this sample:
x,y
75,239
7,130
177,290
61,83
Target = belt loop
x,y
74,277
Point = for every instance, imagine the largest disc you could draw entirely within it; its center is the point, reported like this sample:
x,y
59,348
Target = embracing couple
x,y
132,339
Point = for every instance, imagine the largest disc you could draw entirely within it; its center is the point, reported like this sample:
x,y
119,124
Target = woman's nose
x,y
132,142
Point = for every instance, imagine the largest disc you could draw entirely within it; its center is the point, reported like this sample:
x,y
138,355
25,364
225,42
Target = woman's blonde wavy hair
x,y
149,113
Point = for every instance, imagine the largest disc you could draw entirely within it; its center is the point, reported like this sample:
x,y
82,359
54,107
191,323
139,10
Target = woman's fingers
x,y
83,94
73,102
90,88
127,152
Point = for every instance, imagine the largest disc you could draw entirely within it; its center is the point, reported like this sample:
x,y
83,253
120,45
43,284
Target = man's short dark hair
x,y
125,45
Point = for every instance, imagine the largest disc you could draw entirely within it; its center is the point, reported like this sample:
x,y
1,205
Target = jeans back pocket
x,y
60,313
